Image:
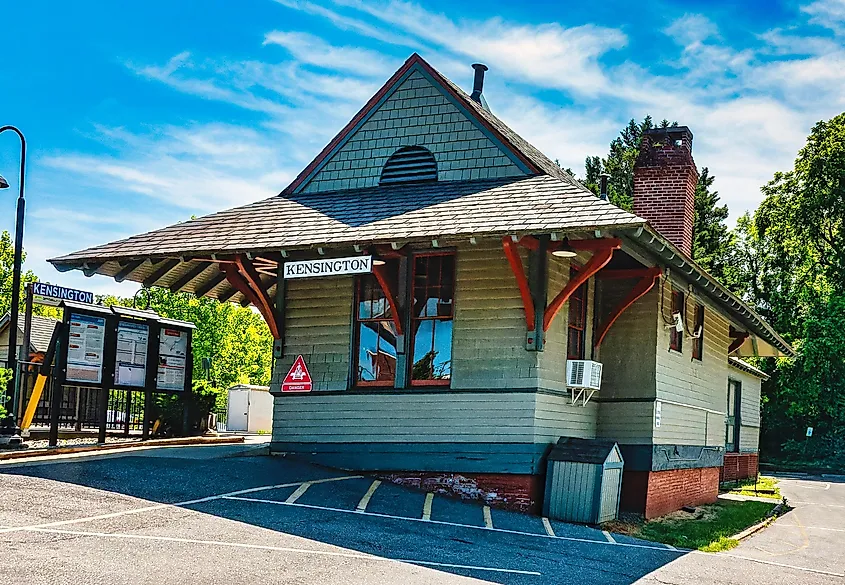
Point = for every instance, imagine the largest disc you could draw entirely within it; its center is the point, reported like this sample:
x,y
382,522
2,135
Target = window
x,y
577,321
431,319
375,330
676,338
732,421
410,164
698,329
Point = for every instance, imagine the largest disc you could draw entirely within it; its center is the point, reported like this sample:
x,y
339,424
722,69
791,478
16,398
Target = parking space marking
x,y
286,549
655,547
298,492
488,518
608,536
548,526
775,564
362,505
174,505
670,547
780,525
429,498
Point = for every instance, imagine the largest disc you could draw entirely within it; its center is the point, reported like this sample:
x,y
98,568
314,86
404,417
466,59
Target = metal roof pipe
x,y
478,85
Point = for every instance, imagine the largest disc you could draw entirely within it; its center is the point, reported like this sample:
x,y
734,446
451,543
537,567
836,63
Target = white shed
x,y
250,409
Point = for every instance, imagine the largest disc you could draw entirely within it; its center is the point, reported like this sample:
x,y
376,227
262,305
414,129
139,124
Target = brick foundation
x,y
739,466
655,493
523,493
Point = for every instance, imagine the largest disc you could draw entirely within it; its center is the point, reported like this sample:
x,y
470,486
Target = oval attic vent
x,y
410,164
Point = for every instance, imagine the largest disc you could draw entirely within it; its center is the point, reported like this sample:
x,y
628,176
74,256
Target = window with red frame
x,y
375,330
676,338
575,349
431,319
698,342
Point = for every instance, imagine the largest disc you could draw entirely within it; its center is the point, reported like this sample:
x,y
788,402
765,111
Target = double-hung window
x,y
576,338
375,330
432,311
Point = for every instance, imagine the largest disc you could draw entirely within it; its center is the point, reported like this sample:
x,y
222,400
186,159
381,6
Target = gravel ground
x,y
42,443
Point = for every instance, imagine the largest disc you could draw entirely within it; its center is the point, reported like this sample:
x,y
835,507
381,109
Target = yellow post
x,y
33,401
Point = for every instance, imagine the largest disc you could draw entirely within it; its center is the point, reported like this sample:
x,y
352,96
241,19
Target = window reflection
x,y
375,331
433,310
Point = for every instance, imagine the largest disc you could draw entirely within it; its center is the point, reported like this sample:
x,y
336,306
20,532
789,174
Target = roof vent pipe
x,y
603,192
478,84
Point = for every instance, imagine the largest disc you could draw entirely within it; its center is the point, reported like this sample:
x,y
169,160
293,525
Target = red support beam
x,y
596,244
603,254
625,274
739,339
244,278
648,276
512,254
389,294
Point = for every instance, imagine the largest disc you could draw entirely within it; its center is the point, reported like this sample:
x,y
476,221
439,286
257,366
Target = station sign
x,y
45,293
328,267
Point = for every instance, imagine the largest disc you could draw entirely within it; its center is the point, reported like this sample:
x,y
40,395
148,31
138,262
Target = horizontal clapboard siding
x,y
628,423
555,417
702,384
405,417
749,439
749,414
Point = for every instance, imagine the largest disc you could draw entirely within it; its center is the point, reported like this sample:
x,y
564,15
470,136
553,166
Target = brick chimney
x,y
664,184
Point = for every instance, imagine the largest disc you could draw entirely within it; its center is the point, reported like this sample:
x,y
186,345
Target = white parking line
x,y
429,498
547,525
781,525
670,547
174,505
298,492
285,549
608,536
362,505
488,518
656,546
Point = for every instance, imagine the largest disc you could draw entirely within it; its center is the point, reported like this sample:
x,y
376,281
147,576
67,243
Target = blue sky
x,y
139,115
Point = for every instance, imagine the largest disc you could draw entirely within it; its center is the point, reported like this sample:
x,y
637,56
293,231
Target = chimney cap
x,y
670,130
480,66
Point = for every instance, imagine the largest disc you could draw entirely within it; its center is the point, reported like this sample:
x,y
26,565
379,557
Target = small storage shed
x,y
583,481
250,409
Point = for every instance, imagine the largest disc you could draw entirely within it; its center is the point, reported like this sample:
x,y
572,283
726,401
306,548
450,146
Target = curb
x,y
751,530
37,453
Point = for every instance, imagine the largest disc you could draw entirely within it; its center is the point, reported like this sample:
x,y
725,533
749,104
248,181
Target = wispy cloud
x,y
312,50
827,13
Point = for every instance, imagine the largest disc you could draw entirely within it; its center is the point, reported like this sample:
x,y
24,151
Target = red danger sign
x,y
298,378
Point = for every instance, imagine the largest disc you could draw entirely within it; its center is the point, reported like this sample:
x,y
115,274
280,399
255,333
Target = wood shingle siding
x,y
416,114
318,315
488,336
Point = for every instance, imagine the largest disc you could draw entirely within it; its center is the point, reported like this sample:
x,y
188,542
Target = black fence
x,y
80,406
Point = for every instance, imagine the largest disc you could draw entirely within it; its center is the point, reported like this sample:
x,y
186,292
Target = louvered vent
x,y
411,164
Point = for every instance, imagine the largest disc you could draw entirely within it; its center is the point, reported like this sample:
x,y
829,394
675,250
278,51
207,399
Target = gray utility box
x,y
583,481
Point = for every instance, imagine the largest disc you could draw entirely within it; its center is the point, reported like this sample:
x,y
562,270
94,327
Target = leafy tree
x,y
711,238
7,261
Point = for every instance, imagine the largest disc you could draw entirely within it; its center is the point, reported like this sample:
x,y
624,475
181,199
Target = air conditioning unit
x,y
583,374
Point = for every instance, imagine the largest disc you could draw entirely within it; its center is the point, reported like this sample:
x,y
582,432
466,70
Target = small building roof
x,y
40,333
744,366
577,450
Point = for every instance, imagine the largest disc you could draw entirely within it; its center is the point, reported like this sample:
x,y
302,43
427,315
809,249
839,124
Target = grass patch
x,y
766,487
708,529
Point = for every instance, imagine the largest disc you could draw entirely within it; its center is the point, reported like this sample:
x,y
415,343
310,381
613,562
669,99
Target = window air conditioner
x,y
583,374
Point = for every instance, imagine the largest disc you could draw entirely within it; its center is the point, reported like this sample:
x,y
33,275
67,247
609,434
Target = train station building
x,y
461,303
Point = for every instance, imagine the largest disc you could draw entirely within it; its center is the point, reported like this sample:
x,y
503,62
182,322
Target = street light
x,y
8,426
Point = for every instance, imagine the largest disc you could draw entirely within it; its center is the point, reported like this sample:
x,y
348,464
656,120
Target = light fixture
x,y
4,184
378,262
564,251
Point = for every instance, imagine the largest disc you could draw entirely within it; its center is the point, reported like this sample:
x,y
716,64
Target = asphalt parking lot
x,y
206,514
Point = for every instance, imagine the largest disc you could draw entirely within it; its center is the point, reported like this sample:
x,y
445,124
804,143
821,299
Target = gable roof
x,y
533,161
40,333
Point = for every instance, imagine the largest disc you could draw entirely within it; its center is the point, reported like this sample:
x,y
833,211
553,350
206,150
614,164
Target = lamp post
x,y
9,425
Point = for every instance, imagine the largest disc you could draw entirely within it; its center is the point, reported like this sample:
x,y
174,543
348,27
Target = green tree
x,y
7,261
711,237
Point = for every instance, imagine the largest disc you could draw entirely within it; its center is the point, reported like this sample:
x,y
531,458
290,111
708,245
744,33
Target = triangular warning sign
x,y
298,378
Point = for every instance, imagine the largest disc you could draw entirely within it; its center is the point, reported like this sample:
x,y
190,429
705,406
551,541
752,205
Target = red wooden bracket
x,y
243,277
512,254
533,243
648,276
389,294
739,339
599,260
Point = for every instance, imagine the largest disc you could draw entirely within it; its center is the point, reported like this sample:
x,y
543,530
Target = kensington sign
x,y
328,267
51,294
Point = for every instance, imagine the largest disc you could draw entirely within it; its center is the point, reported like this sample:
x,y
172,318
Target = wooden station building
x,y
494,269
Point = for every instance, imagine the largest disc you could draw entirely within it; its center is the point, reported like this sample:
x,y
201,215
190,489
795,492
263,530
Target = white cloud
x,y
312,50
827,13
